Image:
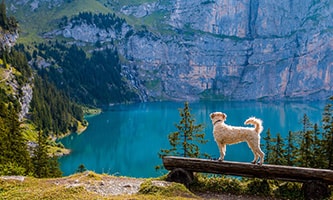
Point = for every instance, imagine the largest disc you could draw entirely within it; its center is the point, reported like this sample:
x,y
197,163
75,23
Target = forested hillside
x,y
93,79
25,134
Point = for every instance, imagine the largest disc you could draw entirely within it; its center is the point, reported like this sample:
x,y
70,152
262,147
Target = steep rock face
x,y
22,93
25,100
8,39
239,50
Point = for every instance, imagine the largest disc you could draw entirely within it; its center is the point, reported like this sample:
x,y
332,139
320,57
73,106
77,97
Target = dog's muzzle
x,y
217,121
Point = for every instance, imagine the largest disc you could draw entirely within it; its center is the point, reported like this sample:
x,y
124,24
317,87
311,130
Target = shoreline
x,y
81,128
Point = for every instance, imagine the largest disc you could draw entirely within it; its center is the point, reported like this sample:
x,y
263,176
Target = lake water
x,y
125,139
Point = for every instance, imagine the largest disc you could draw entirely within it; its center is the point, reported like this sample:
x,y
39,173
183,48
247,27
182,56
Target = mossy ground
x,y
83,186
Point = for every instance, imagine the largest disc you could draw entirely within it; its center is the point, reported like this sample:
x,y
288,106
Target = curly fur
x,y
225,134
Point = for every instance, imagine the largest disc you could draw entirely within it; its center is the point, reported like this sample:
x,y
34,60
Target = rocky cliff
x,y
239,50
221,49
8,39
23,93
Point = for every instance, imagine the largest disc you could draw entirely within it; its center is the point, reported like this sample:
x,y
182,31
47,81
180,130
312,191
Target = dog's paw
x,y
220,159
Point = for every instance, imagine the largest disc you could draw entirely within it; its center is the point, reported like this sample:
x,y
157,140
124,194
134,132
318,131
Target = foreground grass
x,y
254,187
89,185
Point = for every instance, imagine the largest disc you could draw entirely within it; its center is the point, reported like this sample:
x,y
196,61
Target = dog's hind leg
x,y
262,156
257,153
222,149
254,151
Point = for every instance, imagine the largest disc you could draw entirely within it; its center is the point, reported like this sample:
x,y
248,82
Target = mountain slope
x,y
37,17
29,105
239,50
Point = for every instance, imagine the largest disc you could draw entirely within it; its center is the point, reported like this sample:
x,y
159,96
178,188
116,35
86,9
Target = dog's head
x,y
217,116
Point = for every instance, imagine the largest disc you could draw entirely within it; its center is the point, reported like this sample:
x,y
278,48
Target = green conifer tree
x,y
291,149
54,167
3,16
185,141
327,144
268,147
40,157
278,151
81,168
319,160
306,143
14,151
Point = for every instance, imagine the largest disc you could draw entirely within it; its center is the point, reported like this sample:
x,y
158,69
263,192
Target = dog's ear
x,y
224,116
212,115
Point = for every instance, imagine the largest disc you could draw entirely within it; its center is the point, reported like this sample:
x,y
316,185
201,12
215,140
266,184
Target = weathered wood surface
x,y
287,173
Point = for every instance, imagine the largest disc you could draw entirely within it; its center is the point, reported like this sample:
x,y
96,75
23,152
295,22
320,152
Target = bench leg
x,y
315,190
180,175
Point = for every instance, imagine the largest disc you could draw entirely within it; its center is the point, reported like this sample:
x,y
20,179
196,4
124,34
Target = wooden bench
x,y
315,181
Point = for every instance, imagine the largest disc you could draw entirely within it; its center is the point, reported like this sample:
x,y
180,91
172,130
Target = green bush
x,y
9,169
258,187
172,190
204,183
288,190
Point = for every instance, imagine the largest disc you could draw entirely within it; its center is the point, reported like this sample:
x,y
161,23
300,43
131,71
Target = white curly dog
x,y
225,134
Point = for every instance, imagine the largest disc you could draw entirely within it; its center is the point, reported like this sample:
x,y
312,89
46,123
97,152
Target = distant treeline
x,y
52,111
310,147
88,79
7,23
100,20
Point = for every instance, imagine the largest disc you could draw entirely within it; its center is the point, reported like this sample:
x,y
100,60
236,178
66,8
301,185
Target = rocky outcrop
x,y
25,100
8,39
89,33
23,94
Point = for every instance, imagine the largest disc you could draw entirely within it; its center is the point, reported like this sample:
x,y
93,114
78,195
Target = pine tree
x,y
327,144
40,157
268,146
54,167
319,160
3,16
185,141
278,151
81,168
306,145
14,152
291,149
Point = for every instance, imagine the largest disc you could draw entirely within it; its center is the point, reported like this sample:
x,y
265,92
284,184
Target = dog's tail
x,y
257,124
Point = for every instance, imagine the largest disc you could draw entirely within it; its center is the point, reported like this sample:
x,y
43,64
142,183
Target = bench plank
x,y
279,172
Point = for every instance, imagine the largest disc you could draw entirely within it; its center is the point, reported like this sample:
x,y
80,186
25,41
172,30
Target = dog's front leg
x,y
222,148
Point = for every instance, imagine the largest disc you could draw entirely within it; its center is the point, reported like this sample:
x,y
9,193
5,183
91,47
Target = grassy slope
x,y
44,19
34,23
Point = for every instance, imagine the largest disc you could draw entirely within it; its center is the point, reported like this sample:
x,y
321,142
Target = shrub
x,y
9,169
204,183
258,187
288,190
174,189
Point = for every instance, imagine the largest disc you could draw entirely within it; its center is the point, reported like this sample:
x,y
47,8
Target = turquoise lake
x,y
125,139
